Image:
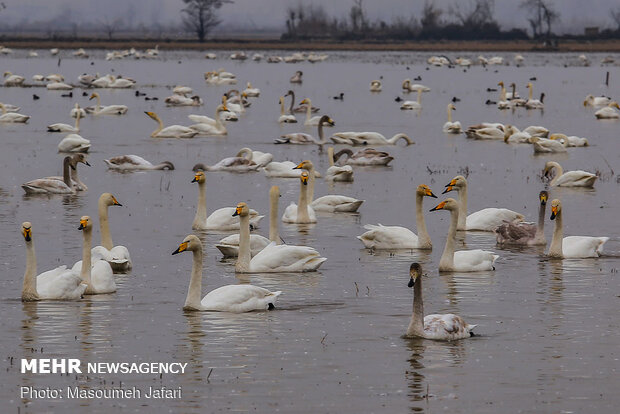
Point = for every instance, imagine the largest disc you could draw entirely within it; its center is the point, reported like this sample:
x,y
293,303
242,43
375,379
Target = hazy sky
x,y
261,14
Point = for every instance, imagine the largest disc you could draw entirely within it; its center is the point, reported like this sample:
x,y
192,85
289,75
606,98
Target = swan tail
x,y
599,248
228,250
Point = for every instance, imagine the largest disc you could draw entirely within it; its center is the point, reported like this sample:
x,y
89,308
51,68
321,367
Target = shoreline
x,y
601,46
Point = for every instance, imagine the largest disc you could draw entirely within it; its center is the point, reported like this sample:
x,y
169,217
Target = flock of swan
x,y
255,253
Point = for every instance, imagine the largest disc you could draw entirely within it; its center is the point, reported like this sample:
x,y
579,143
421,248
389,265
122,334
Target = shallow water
x,y
547,330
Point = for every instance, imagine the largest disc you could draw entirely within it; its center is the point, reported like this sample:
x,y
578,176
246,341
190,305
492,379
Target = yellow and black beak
x,y
543,198
439,206
83,224
27,234
331,122
449,188
182,248
196,178
299,166
429,193
554,212
91,97
237,212
304,180
115,202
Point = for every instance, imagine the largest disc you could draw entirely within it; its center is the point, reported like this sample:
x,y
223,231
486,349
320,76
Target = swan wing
x,y
177,131
515,233
388,237
239,298
47,186
582,246
446,327
474,260
102,277
489,218
286,258
576,178
60,283
338,203
128,162
296,138
222,219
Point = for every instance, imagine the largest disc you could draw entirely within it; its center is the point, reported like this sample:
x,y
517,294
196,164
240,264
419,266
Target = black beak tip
x,y
445,191
176,252
411,283
235,214
86,162
28,238
119,204
81,227
433,195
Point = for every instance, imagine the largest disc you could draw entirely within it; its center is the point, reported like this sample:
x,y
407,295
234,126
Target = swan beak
x,y
304,180
331,122
299,166
449,188
182,248
429,193
86,162
27,234
554,212
196,178
439,206
115,202
83,224
303,102
91,97
237,212
411,283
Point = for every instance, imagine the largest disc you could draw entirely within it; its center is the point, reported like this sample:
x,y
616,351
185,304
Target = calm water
x,y
548,330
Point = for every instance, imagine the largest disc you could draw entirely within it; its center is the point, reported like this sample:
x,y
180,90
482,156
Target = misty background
x,y
265,16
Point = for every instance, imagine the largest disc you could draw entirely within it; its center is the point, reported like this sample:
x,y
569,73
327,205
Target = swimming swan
x,y
303,138
74,143
66,127
312,120
397,237
172,131
336,173
416,87
571,247
366,156
375,86
417,104
60,283
575,178
273,258
107,110
452,127
96,274
445,327
215,128
463,260
284,117
608,112
134,162
300,213
51,185
368,138
522,233
12,117
117,256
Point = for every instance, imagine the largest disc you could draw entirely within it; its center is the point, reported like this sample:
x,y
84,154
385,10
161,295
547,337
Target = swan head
x,y
589,99
448,204
304,177
614,105
451,107
200,177
79,157
152,115
543,196
425,190
27,230
108,199
281,100
306,101
85,223
415,271
500,83
190,243
529,85
556,208
326,120
455,184
93,96
304,165
242,210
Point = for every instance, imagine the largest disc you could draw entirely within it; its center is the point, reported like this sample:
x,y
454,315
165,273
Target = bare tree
x,y
110,26
430,16
357,15
541,12
615,15
200,16
479,13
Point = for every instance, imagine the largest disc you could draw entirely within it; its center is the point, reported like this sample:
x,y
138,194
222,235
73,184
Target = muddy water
x,y
547,329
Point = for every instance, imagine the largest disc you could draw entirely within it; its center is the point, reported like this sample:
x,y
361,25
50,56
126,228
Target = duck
x,y
417,104
608,112
592,100
439,327
303,138
375,86
172,131
339,97
275,258
216,128
12,117
284,117
96,274
544,145
312,120
250,91
522,233
368,138
397,237
74,143
577,178
117,256
331,203
416,87
463,260
56,284
571,247
60,127
222,218
572,140
135,162
366,156
108,109
534,103
229,245
229,298
452,127
483,220
300,213
296,78
51,185
13,80
335,172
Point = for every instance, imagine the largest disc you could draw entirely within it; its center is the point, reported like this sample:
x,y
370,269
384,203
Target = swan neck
x,y
290,109
424,240
309,111
416,325
321,139
274,234
218,121
330,156
104,226
449,115
282,107
29,289
531,93
98,109
555,249
302,207
311,181
200,219
194,291
160,126
447,257
77,121
419,96
396,137
66,172
86,256
540,229
244,257
558,171
462,208
502,95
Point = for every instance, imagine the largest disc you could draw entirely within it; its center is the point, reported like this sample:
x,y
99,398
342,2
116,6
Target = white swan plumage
x,y
366,156
336,173
95,273
608,112
59,127
368,138
172,131
117,256
313,120
284,117
108,109
12,117
576,178
51,185
302,212
452,127
74,143
132,162
302,138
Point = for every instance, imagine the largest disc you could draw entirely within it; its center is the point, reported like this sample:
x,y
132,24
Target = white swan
x,y
397,237
512,135
452,127
203,119
134,162
375,86
313,120
537,131
108,109
58,86
301,138
260,158
51,185
172,131
441,327
13,80
592,100
283,169
12,117
544,145
417,104
74,143
337,173
76,110
483,220
523,233
229,298
182,90
96,274
577,178
273,258
215,128
76,184
117,256
284,117
572,140
10,108
238,164
366,156
182,100
534,103
463,260
250,91
121,83
329,203
416,87
571,247
60,283
300,213
220,219
368,138
59,127
608,112
229,246
503,102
